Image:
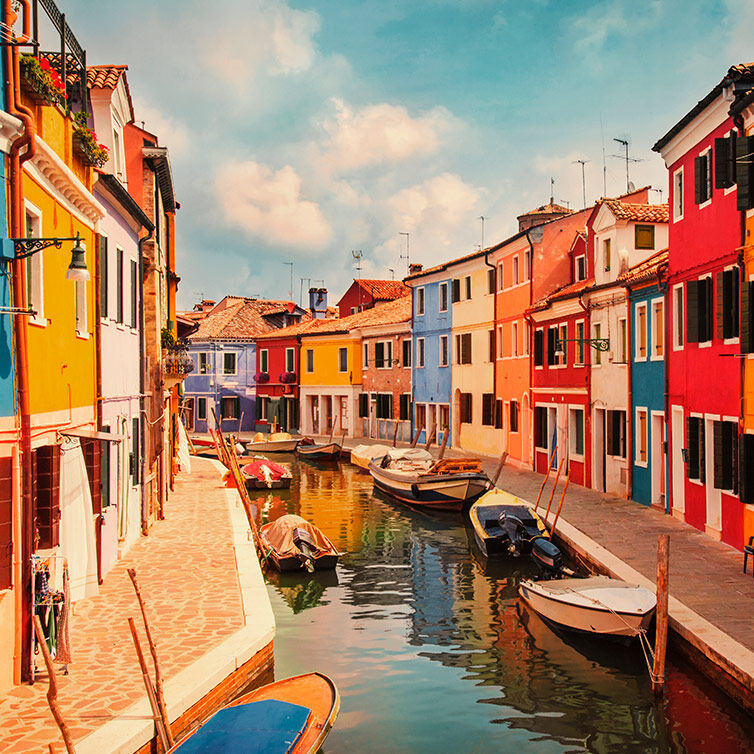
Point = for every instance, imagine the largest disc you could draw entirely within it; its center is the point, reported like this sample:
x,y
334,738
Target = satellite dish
x,y
631,187
536,234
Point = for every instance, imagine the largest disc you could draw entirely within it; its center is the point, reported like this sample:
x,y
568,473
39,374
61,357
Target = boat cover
x,y
280,535
409,459
370,451
256,468
266,727
261,437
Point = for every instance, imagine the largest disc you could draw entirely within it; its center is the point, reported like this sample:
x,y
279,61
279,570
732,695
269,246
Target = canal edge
x,y
220,673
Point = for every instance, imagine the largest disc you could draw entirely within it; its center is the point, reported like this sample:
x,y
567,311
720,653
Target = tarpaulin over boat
x,y
280,535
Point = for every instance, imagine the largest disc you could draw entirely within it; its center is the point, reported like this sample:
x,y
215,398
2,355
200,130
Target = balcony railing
x,y
176,363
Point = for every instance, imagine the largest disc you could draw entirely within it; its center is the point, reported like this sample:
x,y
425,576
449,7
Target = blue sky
x,y
300,131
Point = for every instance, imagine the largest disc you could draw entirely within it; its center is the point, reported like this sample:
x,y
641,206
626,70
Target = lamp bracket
x,y
26,247
599,344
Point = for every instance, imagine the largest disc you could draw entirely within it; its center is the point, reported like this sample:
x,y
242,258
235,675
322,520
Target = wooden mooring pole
x,y
547,476
395,434
416,436
560,506
661,619
499,469
446,435
554,487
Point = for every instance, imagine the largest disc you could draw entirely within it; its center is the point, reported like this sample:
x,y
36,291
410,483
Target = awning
x,y
93,434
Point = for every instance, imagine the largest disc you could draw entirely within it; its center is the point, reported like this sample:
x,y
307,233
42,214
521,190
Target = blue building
x,y
223,349
646,301
431,372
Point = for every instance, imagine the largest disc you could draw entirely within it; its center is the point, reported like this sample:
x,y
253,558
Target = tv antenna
x,y
482,218
583,188
552,190
628,159
392,273
290,290
407,256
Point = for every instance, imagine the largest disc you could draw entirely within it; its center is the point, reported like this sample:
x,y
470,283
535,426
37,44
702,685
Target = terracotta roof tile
x,y
646,270
643,213
104,76
388,313
566,291
384,290
547,209
242,319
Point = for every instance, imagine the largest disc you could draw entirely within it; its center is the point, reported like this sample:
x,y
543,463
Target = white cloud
x,y
171,132
380,133
268,205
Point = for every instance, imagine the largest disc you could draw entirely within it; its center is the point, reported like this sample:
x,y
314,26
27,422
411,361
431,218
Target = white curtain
x,y
184,456
77,542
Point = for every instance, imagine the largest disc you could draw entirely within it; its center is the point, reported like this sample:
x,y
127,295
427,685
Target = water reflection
x,y
433,652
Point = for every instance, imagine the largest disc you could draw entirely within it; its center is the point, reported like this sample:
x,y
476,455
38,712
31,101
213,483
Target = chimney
x,y
414,268
318,302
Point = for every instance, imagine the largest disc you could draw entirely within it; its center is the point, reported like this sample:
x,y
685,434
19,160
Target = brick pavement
x,y
187,574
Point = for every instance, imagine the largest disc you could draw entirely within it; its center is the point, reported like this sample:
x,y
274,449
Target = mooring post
x,y
547,476
499,469
446,435
395,434
661,619
416,436
554,487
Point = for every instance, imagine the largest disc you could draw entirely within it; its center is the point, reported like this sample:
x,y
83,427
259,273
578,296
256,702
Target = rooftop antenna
x,y
407,256
628,159
357,254
290,290
482,218
604,164
552,190
392,273
583,190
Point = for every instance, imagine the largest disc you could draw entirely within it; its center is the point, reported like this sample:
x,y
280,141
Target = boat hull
x,y
272,446
285,559
260,484
329,452
440,491
585,619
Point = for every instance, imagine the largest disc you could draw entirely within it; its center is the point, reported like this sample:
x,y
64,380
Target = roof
x,y
388,313
127,202
547,209
384,290
160,160
104,76
649,269
241,319
643,213
566,291
734,75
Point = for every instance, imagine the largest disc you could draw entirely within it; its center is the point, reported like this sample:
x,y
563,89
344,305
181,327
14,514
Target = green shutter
x,y
745,172
539,347
702,452
103,276
723,178
698,178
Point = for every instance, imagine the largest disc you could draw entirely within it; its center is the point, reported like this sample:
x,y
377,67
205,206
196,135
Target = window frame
x,y
443,341
641,437
342,352
406,348
226,354
442,293
640,331
678,194
264,361
310,361
573,440
679,317
201,408
657,328
649,230
34,270
420,302
420,353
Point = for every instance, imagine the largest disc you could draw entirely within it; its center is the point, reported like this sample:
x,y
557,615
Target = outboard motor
x,y
548,557
305,543
515,531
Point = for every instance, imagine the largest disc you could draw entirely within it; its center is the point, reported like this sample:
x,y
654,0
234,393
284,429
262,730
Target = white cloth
x,y
184,457
77,542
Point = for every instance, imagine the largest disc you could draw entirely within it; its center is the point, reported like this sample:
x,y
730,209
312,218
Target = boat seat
x,y
749,550
266,726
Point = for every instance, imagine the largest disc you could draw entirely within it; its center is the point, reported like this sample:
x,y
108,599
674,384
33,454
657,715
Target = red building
x,y
364,294
703,375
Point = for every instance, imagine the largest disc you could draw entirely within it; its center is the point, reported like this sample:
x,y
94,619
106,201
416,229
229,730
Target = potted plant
x,y
42,82
287,377
86,143
262,377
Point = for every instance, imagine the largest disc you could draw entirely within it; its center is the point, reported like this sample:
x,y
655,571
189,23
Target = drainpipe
x,y
494,336
22,576
142,386
529,319
588,380
662,284
629,406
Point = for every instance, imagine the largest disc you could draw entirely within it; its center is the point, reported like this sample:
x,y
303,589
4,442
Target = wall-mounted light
x,y
77,270
599,344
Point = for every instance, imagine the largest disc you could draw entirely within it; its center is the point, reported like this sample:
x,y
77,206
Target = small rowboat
x,y
263,474
363,455
294,545
277,442
504,524
595,605
329,452
291,716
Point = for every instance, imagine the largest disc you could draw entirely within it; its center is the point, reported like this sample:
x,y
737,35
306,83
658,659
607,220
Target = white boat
x,y
363,455
595,605
277,442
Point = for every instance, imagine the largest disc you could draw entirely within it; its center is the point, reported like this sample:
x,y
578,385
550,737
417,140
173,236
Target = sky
x,y
306,131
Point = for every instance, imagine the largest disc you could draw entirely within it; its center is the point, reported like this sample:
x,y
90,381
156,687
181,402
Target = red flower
x,y
44,64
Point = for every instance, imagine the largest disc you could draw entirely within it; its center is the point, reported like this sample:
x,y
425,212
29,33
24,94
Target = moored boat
x,y
413,477
328,452
290,716
595,605
262,474
363,455
294,544
504,524
277,442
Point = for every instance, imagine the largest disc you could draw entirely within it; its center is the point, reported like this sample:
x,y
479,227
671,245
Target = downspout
x,y
494,336
668,304
142,386
22,575
530,428
588,412
629,407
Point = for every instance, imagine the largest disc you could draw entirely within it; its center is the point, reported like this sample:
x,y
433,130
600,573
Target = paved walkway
x,y
186,569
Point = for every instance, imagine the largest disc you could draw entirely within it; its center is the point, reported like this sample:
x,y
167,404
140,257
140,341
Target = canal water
x,y
432,651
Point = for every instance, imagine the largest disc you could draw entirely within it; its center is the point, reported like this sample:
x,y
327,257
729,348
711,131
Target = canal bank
x,y
209,612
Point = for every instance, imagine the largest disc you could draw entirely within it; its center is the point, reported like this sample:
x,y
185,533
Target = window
x,y
463,348
264,361
79,292
499,340
134,294
500,279
644,236
420,353
579,268
229,363
552,339
579,343
443,417
699,310
366,356
262,406
725,457
309,360
678,316
515,270
231,407
498,414
420,301
383,354
384,407
203,365
606,253
443,351
443,297
407,353
616,433
527,264
363,405
103,276
725,161
641,437
576,431
514,338
641,332
513,416
695,448
421,415
488,409
727,303
290,360
468,287
404,406
703,177
622,341
491,280
597,335
491,345
342,359
678,195
465,404
201,408
539,347
33,265
562,349
119,272
658,329
746,468
455,290
540,427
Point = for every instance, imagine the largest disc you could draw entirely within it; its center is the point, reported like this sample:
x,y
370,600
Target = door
x,y
552,428
657,459
713,496
677,441
600,450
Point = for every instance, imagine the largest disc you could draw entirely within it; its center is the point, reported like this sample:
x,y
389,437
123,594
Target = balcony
x,y
176,361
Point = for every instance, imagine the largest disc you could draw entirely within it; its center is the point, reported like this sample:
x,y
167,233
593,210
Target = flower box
x,y
262,377
42,83
92,153
287,377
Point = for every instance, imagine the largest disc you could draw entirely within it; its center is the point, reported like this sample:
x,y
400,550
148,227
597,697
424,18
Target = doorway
x,y
600,450
658,459
677,441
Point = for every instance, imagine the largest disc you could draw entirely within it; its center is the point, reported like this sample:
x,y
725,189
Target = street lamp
x,y
599,344
77,270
